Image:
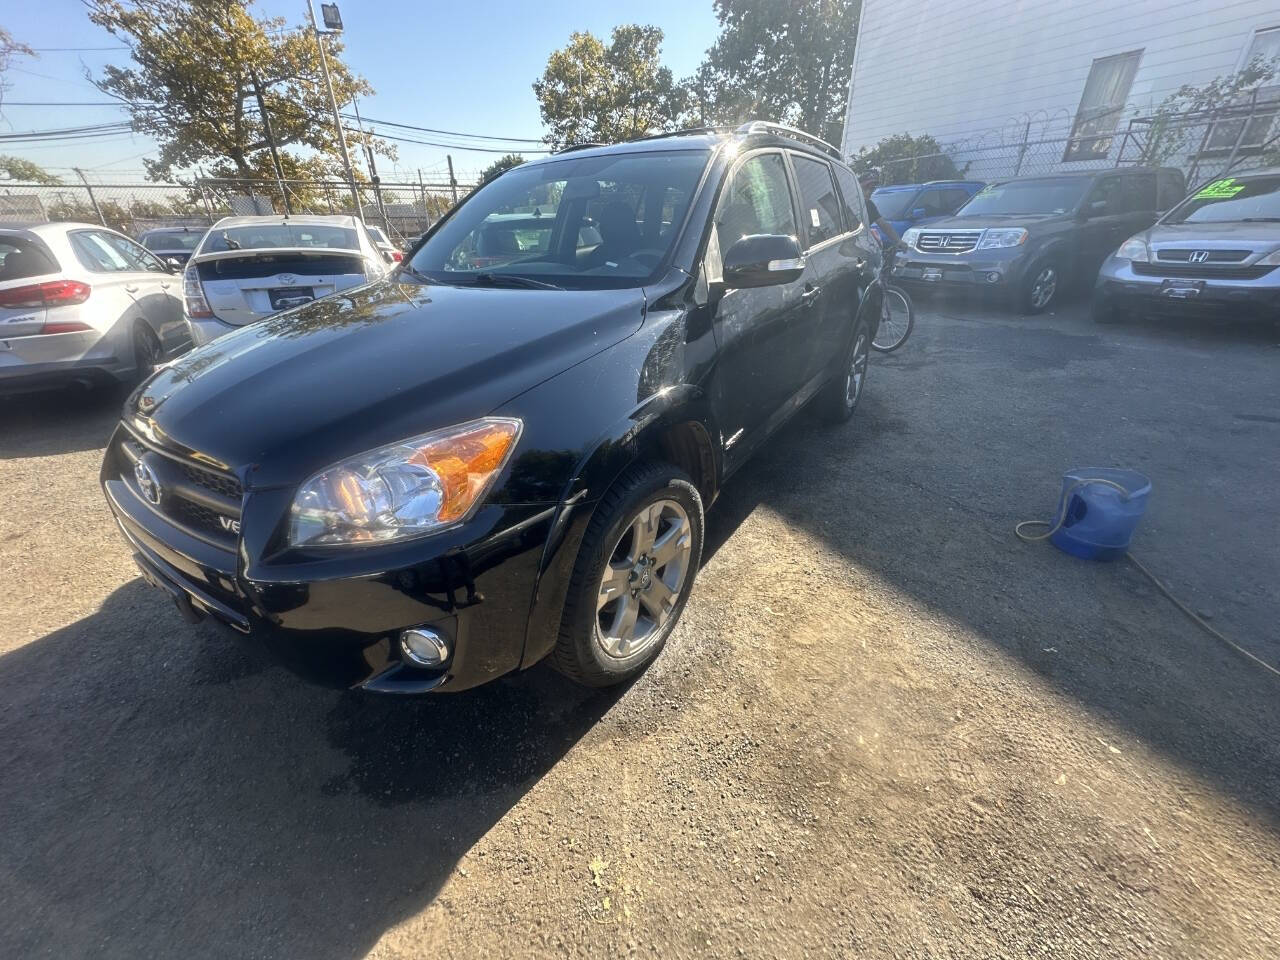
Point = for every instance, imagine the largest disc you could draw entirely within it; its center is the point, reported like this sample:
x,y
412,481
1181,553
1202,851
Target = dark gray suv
x,y
1029,237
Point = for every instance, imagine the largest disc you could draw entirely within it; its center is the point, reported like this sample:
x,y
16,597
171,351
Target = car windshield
x,y
259,236
187,240
376,233
1026,197
1231,200
584,222
893,204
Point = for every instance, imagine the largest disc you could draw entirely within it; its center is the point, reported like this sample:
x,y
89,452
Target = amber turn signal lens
x,y
466,462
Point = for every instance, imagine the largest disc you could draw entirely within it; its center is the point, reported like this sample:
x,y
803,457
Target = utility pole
x,y
271,140
453,183
373,168
337,118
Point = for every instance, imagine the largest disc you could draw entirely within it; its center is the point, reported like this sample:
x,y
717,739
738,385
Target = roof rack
x,y
684,132
586,145
782,130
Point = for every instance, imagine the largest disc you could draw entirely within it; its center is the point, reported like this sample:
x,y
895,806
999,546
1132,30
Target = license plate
x,y
1182,289
931,273
282,298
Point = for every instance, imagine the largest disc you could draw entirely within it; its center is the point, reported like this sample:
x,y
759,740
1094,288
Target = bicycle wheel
x,y
897,317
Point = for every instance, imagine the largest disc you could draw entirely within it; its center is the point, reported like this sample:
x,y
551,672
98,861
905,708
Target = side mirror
x,y
173,265
762,260
1093,208
919,213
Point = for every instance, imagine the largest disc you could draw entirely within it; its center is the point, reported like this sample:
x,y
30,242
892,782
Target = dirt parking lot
x,y
885,728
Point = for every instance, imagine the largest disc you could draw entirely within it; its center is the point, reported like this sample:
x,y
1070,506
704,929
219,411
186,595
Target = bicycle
x,y
897,316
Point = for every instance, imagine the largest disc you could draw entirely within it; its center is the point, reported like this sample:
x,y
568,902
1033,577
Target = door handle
x,y
131,288
164,285
810,295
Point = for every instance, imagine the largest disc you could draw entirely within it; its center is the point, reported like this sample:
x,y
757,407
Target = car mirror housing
x,y
918,213
763,260
172,265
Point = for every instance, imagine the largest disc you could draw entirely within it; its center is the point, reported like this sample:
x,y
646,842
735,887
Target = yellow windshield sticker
x,y
1220,190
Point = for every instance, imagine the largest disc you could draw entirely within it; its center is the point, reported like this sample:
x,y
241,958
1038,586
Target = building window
x,y
1248,131
1101,106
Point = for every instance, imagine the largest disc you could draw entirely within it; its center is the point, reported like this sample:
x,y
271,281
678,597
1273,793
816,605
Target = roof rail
x,y
683,132
585,145
782,130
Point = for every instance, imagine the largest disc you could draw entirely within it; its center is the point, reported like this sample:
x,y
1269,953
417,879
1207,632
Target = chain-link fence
x,y
1203,145
404,210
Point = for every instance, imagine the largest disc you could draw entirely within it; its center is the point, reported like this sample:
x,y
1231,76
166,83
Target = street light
x,y
333,21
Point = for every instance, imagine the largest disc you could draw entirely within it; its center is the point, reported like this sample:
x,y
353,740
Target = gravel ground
x,y
885,728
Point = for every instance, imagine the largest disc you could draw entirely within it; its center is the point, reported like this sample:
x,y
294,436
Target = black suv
x,y
448,474
1030,237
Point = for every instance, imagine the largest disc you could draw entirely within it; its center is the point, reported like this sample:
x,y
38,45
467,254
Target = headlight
x,y
1271,259
1003,237
1135,248
407,489
909,238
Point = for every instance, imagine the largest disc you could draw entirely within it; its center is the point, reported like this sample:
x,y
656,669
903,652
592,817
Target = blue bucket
x,y
1100,520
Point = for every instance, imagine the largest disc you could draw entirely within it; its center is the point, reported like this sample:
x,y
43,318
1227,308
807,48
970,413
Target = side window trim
x,y
856,199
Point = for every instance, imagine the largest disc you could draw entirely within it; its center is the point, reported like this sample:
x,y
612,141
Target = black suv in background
x,y
453,472
1028,238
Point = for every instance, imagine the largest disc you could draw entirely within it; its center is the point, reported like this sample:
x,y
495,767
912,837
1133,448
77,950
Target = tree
x,y
9,49
903,158
593,92
199,67
501,165
15,168
784,60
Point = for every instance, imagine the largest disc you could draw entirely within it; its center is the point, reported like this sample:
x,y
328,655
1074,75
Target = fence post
x,y
1022,151
204,195
453,183
92,199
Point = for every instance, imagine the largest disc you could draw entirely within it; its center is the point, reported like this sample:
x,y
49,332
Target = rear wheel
x,y
897,318
839,398
147,352
634,572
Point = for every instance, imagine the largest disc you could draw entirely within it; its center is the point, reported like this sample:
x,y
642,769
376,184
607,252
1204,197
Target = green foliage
x,y
15,168
783,60
591,91
501,165
903,158
198,67
1168,138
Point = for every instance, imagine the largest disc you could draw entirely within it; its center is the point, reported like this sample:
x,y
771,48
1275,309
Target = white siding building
x,y
1050,84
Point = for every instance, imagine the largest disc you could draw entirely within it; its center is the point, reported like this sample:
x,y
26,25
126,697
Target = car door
x,y
822,220
861,256
759,362
1104,227
156,291
1138,195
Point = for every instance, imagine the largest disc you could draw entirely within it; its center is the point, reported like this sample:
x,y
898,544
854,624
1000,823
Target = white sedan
x,y
81,303
248,268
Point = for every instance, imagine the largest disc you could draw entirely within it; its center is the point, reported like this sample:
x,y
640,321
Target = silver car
x,y
1216,254
248,268
81,303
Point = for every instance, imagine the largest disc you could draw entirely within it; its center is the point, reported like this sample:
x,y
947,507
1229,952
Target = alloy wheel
x,y
857,371
1044,287
643,579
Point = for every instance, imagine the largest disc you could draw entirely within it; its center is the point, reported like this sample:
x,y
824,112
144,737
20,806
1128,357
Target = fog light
x,y
993,277
424,647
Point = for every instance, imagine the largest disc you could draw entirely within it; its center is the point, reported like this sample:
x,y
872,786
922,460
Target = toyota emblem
x,y
147,482
288,279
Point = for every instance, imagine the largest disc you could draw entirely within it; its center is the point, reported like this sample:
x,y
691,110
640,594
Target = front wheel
x,y
1041,288
897,318
633,574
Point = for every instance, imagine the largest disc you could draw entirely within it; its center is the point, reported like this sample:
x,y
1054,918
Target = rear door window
x,y
851,195
819,207
21,258
1138,193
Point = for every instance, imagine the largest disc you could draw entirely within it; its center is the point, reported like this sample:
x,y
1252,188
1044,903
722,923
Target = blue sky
x,y
466,67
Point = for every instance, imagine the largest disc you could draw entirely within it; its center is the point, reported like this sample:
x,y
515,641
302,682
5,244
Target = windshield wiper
x,y
407,267
486,279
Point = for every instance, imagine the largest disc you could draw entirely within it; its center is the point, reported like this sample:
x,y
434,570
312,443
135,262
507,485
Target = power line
x,y
64,103
453,146
76,49
450,133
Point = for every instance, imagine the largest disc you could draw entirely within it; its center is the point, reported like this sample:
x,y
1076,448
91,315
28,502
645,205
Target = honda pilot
x,y
455,471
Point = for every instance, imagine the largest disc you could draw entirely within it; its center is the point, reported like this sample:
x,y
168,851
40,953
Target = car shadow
x,y
163,785
52,422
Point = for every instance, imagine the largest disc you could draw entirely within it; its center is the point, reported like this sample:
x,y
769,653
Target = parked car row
x,y
1129,233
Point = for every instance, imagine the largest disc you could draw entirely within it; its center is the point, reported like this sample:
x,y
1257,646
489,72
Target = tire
x,y
897,321
147,352
839,397
593,647
1033,297
1105,312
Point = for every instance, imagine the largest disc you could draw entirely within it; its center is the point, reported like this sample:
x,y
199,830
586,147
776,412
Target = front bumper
x,y
996,269
335,618
1121,287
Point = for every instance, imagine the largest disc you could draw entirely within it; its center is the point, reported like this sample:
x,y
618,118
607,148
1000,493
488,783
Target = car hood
x,y
1260,236
276,401
983,223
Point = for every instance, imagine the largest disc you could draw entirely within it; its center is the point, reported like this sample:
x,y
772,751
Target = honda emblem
x,y
1197,256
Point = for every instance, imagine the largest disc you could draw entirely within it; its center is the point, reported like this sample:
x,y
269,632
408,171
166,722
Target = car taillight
x,y
193,295
52,293
397,256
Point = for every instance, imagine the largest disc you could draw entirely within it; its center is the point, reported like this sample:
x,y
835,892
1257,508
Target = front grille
x,y
1197,271
196,499
1179,255
952,241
